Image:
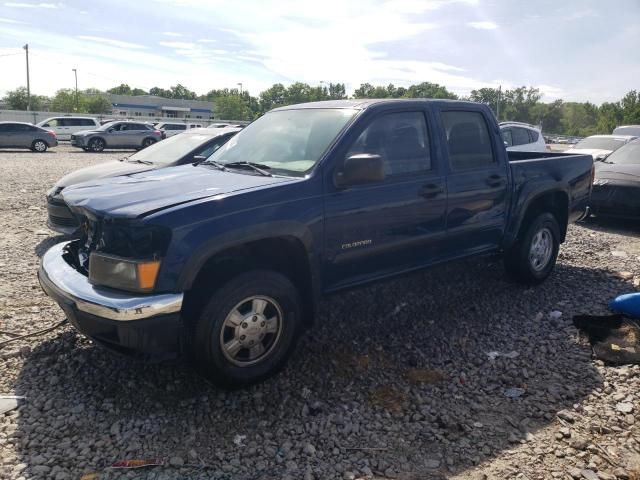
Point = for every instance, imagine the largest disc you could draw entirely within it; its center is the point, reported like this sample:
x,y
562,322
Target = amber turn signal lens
x,y
147,273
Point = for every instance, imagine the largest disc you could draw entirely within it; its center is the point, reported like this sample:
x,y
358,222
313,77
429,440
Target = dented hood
x,y
144,193
102,170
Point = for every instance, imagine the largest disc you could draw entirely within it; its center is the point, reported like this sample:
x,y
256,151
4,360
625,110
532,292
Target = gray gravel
x,y
394,381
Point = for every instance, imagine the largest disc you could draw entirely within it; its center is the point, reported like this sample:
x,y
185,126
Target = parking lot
x,y
394,381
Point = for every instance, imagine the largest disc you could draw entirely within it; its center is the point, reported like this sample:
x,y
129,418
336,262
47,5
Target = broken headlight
x,y
123,273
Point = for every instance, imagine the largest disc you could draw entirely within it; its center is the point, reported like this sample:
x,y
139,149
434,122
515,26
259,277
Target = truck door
x,y
380,228
477,182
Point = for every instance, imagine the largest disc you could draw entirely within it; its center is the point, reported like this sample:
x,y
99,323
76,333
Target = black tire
x,y
526,266
39,146
147,142
97,145
86,149
212,330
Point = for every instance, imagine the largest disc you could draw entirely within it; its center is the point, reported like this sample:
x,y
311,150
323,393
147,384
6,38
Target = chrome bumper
x,y
64,284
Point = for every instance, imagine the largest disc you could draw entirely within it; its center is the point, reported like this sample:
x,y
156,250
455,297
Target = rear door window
x,y
468,139
520,136
507,137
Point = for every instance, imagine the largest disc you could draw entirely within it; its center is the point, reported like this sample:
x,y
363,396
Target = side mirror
x,y
45,125
359,169
505,144
199,158
111,130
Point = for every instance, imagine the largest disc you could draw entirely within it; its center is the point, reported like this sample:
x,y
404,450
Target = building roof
x,y
159,103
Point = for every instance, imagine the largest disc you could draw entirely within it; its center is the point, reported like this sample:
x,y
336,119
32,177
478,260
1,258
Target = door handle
x,y
495,181
431,190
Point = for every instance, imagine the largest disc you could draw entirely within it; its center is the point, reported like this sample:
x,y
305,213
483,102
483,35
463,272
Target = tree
x,y
232,107
139,91
275,96
18,100
160,92
122,89
97,104
65,101
182,92
630,105
428,90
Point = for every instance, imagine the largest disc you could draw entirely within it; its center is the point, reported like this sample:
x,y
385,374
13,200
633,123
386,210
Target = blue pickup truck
x,y
224,262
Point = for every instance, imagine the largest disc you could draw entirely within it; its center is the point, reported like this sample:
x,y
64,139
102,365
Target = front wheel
x,y
39,146
147,142
97,145
532,258
248,328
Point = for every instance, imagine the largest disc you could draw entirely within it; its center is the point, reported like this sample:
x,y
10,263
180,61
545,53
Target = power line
x,y
9,54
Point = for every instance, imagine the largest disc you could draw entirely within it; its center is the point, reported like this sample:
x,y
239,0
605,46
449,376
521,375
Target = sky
x,y
580,50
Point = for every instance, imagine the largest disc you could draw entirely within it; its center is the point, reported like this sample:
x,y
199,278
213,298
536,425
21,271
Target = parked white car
x,y
627,130
66,126
600,146
522,137
173,128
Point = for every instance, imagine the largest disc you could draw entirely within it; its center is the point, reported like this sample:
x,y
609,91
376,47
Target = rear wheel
x,y
248,328
532,258
147,142
39,146
96,145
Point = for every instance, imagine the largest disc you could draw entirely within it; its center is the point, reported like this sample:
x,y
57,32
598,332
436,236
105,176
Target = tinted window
x,y
174,127
17,127
507,137
400,139
86,122
468,139
534,136
520,136
208,151
601,143
629,154
174,148
134,126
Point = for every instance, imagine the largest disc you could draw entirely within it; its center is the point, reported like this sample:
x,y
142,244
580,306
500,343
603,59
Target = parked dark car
x,y
225,261
616,188
119,134
177,150
25,135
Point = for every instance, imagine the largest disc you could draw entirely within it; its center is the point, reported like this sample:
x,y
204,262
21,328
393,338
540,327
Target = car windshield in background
x,y
288,142
171,149
627,155
601,143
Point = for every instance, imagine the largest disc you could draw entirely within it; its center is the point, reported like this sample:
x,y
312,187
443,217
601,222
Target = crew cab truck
x,y
224,261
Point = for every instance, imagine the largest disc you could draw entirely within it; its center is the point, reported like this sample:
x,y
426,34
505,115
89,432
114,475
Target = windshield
x,y
601,143
627,155
172,149
288,142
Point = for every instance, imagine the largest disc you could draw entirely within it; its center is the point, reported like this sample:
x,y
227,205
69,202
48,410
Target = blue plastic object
x,y
628,304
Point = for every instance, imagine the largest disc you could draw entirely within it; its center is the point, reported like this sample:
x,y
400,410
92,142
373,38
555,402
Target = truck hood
x,y
141,194
103,170
618,173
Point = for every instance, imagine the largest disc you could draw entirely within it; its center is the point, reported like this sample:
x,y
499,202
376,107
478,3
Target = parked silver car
x,y
119,134
25,135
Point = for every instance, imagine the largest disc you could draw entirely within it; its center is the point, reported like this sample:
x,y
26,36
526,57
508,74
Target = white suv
x,y
173,128
522,137
64,127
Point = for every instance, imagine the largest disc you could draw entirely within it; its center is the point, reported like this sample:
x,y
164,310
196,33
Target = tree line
x,y
522,104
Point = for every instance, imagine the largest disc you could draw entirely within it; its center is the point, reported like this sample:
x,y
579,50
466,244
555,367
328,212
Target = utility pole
x,y
498,104
75,72
26,49
240,84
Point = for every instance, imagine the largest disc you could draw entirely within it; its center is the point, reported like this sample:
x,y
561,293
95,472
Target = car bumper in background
x,y
130,323
77,141
611,200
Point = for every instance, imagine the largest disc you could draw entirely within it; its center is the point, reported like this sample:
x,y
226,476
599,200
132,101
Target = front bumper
x,y
77,141
127,322
617,201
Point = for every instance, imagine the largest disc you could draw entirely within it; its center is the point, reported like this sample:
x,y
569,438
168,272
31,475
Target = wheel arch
x,y
555,202
285,253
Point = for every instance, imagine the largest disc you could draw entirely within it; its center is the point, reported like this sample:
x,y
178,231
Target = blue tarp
x,y
628,305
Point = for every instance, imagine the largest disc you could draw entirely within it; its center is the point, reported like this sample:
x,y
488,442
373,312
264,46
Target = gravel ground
x,y
394,381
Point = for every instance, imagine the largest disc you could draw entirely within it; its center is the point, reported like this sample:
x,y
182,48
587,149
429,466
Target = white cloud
x,y
111,42
32,5
10,20
207,40
172,34
179,45
483,25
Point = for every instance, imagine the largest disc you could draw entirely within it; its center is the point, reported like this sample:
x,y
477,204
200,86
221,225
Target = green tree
x,y
139,91
630,105
122,89
182,92
160,92
18,100
428,90
65,101
96,104
274,96
232,107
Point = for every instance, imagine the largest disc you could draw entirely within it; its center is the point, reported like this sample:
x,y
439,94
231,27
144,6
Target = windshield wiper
x,y
218,165
145,162
256,167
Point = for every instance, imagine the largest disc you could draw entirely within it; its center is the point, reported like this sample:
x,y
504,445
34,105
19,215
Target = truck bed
x,y
519,156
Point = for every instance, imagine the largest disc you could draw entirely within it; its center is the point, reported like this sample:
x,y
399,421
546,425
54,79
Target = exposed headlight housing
x,y
123,273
